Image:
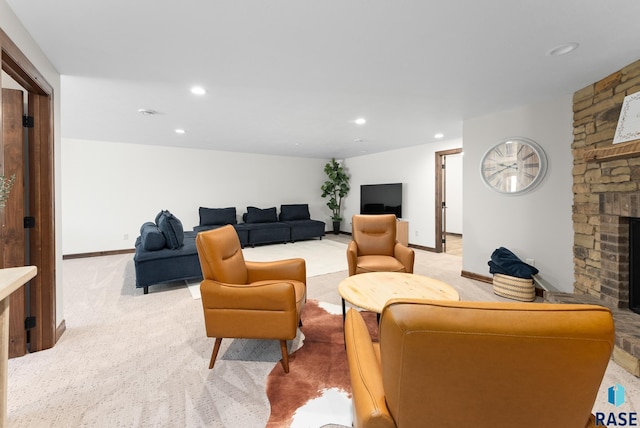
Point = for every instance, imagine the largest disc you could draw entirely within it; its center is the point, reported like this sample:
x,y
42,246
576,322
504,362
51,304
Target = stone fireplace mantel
x,y
613,152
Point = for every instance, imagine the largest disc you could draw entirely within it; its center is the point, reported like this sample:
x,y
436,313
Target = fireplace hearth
x,y
614,283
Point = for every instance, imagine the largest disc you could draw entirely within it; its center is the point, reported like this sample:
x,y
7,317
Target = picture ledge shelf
x,y
627,150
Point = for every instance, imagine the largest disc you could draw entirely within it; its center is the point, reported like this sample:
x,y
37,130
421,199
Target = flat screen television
x,y
381,199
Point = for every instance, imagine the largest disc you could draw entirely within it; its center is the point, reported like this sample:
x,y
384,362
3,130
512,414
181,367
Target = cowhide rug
x,y
317,386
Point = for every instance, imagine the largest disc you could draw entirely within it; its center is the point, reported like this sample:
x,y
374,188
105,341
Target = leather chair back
x,y
374,234
221,256
493,364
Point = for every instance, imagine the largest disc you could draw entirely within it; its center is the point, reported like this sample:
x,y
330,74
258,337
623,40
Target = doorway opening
x,y
448,201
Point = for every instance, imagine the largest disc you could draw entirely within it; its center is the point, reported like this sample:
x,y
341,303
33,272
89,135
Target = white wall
x,y
11,25
110,189
415,168
536,225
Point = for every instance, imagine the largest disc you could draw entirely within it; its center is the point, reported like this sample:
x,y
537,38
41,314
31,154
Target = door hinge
x,y
444,205
27,121
444,166
444,240
29,323
29,222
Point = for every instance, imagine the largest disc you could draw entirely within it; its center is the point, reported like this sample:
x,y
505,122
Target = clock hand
x,y
490,177
513,165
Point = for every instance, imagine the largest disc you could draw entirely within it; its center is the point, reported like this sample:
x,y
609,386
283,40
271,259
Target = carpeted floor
x,y
321,257
134,360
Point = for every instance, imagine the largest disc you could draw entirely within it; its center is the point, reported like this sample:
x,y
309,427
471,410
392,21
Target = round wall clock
x,y
513,166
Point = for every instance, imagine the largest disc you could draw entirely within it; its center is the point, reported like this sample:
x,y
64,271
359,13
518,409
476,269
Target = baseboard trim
x,y
60,330
422,247
476,276
98,254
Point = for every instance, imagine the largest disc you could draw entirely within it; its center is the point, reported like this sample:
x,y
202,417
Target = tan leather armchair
x,y
374,247
478,364
244,299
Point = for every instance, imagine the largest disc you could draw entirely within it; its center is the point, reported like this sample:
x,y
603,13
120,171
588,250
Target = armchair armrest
x,y
406,256
277,270
272,296
352,257
369,406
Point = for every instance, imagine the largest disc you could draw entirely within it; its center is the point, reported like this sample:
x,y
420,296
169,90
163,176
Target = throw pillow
x,y
294,212
215,216
157,220
257,215
151,237
172,229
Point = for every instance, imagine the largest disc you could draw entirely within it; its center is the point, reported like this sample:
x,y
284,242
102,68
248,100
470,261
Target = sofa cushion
x,y
151,237
172,229
217,216
263,233
294,212
257,215
306,229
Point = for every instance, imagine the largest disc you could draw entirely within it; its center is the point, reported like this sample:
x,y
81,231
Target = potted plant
x,y
336,187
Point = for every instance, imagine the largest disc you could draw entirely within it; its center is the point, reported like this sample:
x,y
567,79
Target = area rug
x,y
322,256
317,390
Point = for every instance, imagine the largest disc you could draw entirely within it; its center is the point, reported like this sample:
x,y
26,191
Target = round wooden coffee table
x,y
371,291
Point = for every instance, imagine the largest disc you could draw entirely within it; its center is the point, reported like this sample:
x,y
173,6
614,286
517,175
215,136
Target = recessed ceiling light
x,y
438,135
563,49
147,111
180,131
198,90
360,121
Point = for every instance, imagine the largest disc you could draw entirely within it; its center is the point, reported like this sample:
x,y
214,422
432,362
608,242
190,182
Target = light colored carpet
x,y
134,360
321,257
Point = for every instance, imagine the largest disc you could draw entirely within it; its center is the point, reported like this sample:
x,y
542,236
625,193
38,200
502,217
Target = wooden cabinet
x,y
402,232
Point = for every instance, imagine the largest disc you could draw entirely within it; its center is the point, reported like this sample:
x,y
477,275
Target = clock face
x,y
513,166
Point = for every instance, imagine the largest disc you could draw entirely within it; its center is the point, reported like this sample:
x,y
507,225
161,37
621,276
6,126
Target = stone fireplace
x,y
606,196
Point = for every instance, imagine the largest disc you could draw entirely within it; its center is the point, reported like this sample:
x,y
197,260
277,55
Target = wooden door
x,y
42,289
12,235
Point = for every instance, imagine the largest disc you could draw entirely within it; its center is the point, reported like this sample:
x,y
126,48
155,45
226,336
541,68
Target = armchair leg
x,y
214,354
285,356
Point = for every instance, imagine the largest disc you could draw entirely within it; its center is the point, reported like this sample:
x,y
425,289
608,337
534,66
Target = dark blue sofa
x,y
166,253
265,226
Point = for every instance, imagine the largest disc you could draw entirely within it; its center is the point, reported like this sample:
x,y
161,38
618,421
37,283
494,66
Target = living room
x,y
107,189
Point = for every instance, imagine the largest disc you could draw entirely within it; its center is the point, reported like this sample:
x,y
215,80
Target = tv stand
x,y
402,232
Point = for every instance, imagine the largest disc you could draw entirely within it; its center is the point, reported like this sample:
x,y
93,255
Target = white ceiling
x,y
288,77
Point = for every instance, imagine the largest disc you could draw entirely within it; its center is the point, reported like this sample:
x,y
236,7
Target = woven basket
x,y
514,288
